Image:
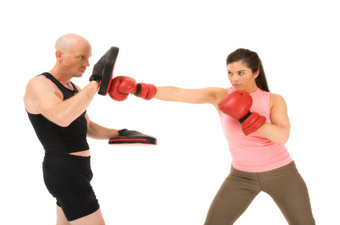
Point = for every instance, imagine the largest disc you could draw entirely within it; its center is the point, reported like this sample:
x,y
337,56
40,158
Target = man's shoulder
x,y
39,80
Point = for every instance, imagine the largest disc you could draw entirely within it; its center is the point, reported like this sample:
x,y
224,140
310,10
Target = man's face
x,y
75,61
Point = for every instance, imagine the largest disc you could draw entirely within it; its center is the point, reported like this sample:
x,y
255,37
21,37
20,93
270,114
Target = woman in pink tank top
x,y
260,161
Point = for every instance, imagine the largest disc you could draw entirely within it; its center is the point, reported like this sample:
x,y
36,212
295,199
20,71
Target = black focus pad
x,y
126,136
105,67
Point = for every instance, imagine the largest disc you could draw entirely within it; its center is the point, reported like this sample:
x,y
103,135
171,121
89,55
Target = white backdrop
x,y
180,43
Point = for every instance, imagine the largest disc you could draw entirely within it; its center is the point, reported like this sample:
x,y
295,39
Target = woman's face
x,y
241,77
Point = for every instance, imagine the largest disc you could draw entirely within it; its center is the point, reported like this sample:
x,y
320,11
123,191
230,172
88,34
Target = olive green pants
x,y
284,185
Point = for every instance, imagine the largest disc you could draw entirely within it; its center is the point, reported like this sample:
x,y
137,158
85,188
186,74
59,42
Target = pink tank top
x,y
253,153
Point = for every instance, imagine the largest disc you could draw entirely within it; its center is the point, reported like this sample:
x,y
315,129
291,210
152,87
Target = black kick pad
x,y
105,67
126,136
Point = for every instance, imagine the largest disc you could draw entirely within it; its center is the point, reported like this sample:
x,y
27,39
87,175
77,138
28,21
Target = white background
x,y
180,43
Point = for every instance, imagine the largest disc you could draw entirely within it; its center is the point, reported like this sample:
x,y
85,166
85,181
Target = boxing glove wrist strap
x,y
138,89
245,117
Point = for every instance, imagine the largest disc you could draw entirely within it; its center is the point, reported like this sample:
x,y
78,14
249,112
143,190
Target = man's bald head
x,y
72,55
68,41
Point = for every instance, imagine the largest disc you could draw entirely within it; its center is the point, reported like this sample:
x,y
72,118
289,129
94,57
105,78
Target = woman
x,y
260,161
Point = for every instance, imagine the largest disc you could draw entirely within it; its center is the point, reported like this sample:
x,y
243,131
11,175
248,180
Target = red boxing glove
x,y
145,91
252,122
121,86
237,105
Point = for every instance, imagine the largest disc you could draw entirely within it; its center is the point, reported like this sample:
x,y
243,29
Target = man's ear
x,y
58,54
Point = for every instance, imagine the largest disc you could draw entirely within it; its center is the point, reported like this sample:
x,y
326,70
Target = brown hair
x,y
253,62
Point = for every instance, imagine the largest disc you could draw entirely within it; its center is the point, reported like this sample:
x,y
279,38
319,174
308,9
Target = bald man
x,y
56,108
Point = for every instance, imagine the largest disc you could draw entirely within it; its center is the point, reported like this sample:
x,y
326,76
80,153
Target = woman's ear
x,y
256,74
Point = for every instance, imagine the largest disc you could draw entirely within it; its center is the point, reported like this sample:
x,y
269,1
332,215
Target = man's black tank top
x,y
56,139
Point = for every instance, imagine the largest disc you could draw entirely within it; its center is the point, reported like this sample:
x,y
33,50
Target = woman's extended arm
x,y
212,95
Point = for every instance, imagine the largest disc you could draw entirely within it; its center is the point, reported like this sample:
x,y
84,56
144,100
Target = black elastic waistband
x,y
64,155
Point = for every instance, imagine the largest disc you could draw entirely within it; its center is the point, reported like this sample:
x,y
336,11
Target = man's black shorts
x,y
67,178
